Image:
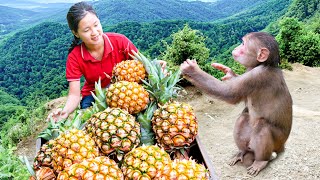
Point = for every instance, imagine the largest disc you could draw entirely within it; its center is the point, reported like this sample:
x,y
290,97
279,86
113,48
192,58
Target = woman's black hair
x,y
74,16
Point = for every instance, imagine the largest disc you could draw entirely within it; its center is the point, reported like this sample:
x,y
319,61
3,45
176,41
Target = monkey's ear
x,y
263,54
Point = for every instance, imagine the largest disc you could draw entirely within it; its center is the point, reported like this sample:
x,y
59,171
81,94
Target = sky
x,y
57,1
74,1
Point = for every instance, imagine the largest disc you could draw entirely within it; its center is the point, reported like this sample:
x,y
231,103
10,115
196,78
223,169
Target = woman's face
x,y
90,30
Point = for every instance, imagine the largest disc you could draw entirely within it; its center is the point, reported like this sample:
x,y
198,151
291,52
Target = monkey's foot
x,y
256,167
236,158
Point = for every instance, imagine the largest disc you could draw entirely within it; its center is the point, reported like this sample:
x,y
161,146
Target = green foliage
x,y
187,44
303,9
9,105
34,61
306,49
10,165
6,98
284,64
21,124
114,11
297,44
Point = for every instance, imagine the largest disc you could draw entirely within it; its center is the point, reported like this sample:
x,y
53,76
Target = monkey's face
x,y
245,54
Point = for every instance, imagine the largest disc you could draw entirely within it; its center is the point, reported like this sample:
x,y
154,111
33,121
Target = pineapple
x,y
129,70
129,96
175,125
68,144
161,87
43,173
183,170
72,146
114,130
144,162
100,167
43,157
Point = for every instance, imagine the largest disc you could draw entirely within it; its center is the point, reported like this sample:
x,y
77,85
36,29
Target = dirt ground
x,y
216,120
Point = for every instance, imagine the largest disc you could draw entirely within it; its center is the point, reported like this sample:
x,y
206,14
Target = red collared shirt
x,y
79,62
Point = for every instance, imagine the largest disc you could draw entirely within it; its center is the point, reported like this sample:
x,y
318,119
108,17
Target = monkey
x,y
265,123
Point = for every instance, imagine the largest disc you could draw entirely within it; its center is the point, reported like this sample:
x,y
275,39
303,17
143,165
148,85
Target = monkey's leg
x,y
262,145
241,134
238,157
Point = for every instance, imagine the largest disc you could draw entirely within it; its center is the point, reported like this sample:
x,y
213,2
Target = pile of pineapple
x,y
134,130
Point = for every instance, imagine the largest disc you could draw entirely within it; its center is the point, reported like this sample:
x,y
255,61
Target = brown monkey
x,y
265,123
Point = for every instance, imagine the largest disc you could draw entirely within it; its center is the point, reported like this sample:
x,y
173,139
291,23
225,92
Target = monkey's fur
x,y
265,123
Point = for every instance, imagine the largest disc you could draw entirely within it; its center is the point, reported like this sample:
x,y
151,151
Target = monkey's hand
x,y
189,68
226,70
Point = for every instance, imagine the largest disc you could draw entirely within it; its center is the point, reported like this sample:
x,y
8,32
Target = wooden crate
x,y
197,152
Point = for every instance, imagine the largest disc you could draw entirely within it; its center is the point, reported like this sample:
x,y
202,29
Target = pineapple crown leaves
x,y
147,134
159,84
145,118
52,131
148,65
25,161
55,128
99,96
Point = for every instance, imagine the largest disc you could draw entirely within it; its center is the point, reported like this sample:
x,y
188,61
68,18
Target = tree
x,y
290,29
297,44
186,44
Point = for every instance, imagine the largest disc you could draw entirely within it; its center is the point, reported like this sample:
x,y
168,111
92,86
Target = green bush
x,y
21,124
297,44
10,165
186,44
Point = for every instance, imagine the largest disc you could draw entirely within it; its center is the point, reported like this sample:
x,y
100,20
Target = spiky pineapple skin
x,y
129,70
100,167
72,146
144,162
183,170
114,130
43,157
129,96
175,125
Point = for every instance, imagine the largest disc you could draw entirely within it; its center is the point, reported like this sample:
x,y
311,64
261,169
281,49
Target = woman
x,y
93,54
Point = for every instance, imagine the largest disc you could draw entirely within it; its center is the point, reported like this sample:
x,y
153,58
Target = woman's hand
x,y
226,70
57,115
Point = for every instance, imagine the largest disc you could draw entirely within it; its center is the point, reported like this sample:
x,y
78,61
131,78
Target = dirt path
x,y
301,157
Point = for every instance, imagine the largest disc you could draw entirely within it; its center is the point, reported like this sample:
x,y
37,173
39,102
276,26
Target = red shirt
x,y
79,62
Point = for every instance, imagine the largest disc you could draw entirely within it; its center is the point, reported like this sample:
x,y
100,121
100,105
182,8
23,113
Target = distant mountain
x,y
18,14
35,5
10,15
112,12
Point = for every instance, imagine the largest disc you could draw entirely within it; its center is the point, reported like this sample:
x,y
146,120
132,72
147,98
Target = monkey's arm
x,y
226,70
208,84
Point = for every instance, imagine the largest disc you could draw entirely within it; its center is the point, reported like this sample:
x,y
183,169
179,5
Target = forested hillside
x,y
112,11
